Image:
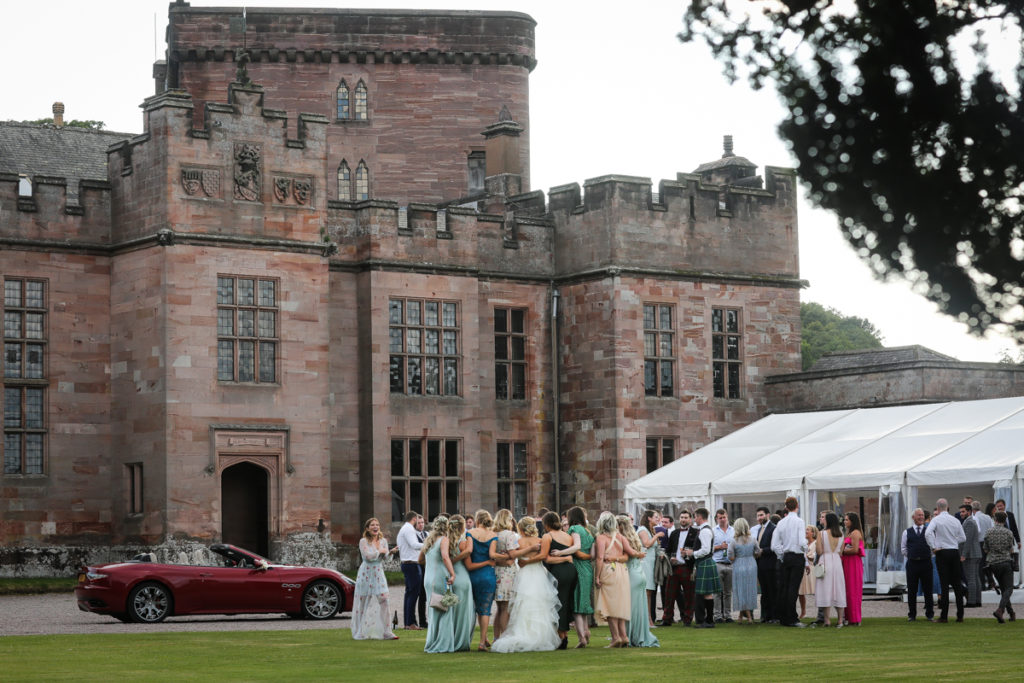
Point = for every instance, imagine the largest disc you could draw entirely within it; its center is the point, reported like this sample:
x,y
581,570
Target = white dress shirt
x,y
790,536
408,545
944,532
984,523
707,539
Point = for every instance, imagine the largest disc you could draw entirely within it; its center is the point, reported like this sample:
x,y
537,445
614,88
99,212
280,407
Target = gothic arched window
x,y
360,105
344,182
343,101
362,181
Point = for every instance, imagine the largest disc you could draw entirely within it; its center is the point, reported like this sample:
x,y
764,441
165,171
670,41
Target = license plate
x,y
81,578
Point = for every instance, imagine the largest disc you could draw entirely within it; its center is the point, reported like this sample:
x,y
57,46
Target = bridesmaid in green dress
x,y
464,613
439,575
581,550
638,628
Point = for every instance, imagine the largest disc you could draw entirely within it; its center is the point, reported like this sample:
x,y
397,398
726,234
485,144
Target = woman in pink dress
x,y
853,566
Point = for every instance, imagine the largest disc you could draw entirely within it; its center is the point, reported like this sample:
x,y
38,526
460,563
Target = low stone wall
x,y
308,549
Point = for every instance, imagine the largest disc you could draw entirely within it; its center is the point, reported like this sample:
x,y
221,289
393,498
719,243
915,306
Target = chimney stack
x,y
58,114
727,147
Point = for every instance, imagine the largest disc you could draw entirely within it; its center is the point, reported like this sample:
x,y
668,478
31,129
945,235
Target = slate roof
x,y
43,149
844,360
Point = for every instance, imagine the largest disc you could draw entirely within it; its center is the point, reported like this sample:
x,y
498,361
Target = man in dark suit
x,y
767,564
918,557
679,587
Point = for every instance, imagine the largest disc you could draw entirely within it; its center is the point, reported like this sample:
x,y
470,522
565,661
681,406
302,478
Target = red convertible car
x,y
243,583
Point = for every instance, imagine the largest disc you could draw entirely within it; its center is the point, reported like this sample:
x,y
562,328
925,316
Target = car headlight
x,y
95,576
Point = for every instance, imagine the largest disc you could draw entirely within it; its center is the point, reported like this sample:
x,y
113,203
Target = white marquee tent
x,y
902,453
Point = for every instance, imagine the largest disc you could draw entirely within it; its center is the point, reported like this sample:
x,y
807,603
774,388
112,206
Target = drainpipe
x,y
555,398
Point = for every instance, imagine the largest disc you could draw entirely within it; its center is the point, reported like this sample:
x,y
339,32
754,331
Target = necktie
x,y
760,533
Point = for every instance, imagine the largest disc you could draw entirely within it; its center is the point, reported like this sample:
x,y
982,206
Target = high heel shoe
x,y
564,644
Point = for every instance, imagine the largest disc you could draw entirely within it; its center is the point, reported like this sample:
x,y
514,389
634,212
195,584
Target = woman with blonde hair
x,y
533,619
638,629
437,579
611,577
807,583
463,614
504,570
372,586
480,564
744,569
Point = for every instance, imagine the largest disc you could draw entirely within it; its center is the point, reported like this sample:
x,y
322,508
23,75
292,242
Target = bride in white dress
x,y
533,623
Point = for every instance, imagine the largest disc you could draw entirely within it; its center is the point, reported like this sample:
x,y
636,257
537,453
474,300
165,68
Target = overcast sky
x,y
614,91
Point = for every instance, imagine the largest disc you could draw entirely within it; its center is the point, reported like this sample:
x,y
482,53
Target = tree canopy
x,y
904,118
73,123
826,330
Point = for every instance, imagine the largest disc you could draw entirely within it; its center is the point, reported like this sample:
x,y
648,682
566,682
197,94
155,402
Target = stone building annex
x,y
319,287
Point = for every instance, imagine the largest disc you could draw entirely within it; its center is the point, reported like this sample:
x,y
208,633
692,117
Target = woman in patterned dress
x,y
744,570
371,612
582,545
504,570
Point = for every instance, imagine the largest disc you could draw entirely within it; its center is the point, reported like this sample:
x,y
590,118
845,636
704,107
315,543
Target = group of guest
x,y
965,550
540,580
719,570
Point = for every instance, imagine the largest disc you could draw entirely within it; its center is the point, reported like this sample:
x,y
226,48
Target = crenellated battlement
x,y
56,211
689,227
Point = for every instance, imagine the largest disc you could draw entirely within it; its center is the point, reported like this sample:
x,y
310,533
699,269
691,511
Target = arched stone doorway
x,y
245,506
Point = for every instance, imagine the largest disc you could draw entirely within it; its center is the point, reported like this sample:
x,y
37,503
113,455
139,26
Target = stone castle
x,y
318,288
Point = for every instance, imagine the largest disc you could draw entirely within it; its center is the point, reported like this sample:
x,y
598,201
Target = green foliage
x,y
29,585
903,127
826,330
877,650
73,123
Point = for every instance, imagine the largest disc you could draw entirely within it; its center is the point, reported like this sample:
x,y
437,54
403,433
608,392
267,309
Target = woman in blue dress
x,y
480,564
463,614
638,628
744,570
437,578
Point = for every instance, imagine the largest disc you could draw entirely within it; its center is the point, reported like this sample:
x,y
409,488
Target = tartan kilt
x,y
706,579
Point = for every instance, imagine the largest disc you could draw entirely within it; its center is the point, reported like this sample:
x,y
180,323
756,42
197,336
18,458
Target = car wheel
x,y
149,603
321,600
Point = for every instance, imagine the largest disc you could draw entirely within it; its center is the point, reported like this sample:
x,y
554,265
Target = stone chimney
x,y
503,163
58,114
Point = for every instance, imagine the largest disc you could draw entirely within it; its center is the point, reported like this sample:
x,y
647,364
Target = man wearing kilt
x,y
705,573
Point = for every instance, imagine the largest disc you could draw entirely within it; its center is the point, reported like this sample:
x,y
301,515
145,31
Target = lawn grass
x,y
881,649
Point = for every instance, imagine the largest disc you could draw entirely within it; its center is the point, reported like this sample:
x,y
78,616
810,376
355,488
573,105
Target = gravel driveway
x,y
58,613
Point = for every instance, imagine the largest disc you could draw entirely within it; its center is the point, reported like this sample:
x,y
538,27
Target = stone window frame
x,y
344,182
508,343
343,101
727,352
134,496
361,103
476,170
659,340
257,338
409,339
416,485
361,187
655,450
26,333
512,479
